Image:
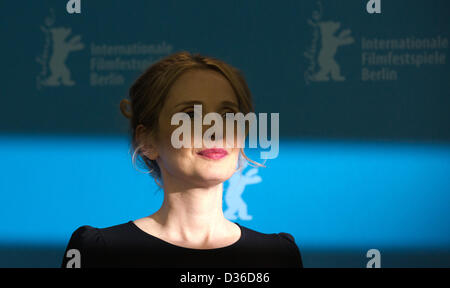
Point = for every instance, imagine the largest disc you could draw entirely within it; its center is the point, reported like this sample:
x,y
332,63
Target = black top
x,y
126,245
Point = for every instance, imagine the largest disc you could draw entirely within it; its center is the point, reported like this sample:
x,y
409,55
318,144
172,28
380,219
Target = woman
x,y
189,230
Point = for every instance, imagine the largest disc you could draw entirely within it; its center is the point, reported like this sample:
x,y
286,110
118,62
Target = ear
x,y
145,138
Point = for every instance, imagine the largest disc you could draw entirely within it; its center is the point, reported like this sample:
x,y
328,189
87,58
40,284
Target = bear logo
x,y
330,43
233,196
61,49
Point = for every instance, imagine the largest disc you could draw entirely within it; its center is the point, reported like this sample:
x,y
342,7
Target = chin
x,y
214,176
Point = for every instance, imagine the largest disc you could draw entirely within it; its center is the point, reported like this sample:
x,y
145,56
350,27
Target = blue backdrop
x,y
363,99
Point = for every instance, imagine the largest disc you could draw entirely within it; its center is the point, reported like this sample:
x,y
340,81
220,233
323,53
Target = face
x,y
215,94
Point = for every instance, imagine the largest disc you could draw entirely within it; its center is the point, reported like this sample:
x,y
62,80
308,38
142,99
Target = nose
x,y
213,136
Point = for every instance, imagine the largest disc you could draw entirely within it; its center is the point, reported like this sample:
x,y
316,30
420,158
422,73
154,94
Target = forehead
x,y
206,86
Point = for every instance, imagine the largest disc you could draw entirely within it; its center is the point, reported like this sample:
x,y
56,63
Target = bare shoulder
x,y
148,225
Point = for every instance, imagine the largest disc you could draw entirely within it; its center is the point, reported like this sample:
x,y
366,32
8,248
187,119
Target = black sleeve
x,y
294,258
90,248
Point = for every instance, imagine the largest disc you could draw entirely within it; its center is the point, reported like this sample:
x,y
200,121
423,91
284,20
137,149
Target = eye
x,y
224,115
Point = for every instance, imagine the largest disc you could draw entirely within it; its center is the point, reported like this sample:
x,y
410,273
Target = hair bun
x,y
124,108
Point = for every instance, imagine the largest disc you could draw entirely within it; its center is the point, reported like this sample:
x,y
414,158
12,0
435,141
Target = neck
x,y
191,214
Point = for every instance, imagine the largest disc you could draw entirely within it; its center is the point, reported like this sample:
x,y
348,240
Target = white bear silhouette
x,y
61,49
236,187
330,43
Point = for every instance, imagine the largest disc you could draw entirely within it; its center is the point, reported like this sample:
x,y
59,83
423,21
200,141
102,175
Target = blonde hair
x,y
149,92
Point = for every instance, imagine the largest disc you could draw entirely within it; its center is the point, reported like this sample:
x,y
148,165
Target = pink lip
x,y
213,153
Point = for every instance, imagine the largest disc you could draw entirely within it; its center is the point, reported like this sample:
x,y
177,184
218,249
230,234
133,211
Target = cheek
x,y
176,158
170,158
235,154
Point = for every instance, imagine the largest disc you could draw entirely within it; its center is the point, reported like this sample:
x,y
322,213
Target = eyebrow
x,y
223,103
